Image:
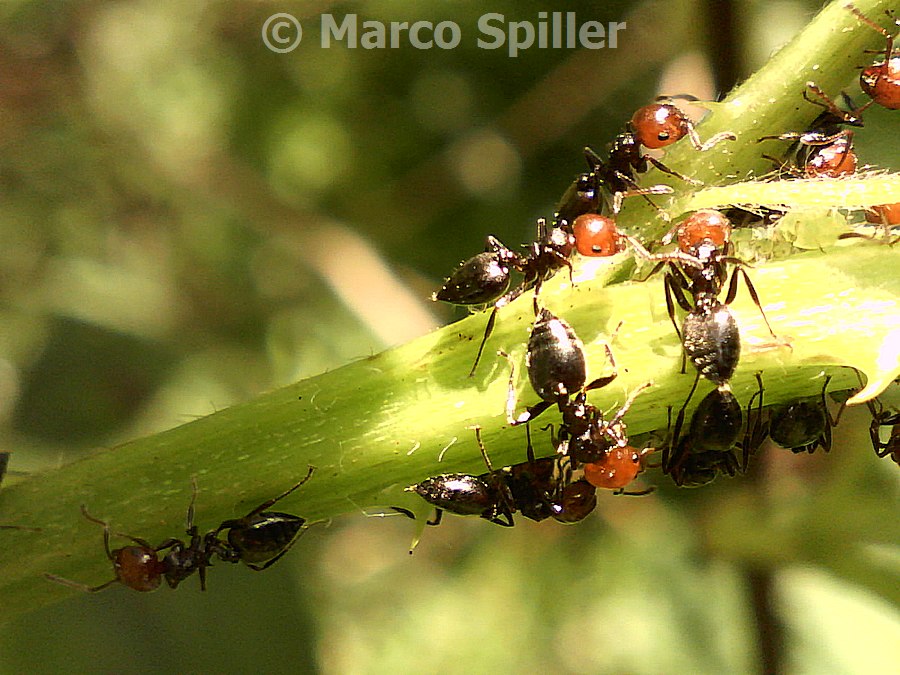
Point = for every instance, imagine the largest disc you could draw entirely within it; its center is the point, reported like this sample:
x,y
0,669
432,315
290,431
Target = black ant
x,y
487,495
557,370
881,80
804,425
538,488
262,537
256,537
484,279
825,149
708,448
556,367
883,418
546,487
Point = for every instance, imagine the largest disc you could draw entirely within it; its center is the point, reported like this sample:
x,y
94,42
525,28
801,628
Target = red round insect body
x,y
596,235
617,469
834,160
659,124
884,214
706,226
138,568
881,80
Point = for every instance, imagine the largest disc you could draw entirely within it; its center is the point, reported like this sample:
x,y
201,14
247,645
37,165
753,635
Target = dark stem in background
x,y
769,631
722,43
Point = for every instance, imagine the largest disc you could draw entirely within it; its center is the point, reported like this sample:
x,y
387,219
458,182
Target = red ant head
x,y
881,81
885,214
138,568
659,124
617,469
704,227
834,160
596,235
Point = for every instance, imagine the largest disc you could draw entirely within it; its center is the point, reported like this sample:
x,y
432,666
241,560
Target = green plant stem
x,y
379,424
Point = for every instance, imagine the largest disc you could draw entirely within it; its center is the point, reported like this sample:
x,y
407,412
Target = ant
x,y
537,488
262,537
708,448
254,538
484,279
804,425
825,149
545,487
588,438
653,126
881,80
709,333
556,367
883,418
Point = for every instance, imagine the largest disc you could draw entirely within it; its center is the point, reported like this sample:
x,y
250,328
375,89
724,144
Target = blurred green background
x,y
188,219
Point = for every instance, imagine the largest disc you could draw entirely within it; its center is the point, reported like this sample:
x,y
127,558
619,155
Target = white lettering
x,y
486,28
347,30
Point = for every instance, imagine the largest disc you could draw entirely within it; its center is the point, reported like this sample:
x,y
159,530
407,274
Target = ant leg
x,y
105,525
487,333
754,434
403,512
438,515
678,454
656,268
711,142
629,402
732,292
501,302
498,483
265,505
189,522
635,493
74,584
673,289
601,382
662,167
851,117
672,256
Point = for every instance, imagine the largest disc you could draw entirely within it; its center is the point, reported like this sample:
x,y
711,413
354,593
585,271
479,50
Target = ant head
x,y
658,125
596,235
704,227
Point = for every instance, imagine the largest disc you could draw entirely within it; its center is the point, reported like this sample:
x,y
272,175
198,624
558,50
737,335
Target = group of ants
x,y
591,451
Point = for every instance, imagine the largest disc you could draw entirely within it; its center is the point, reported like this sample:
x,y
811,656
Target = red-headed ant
x,y
881,80
259,539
